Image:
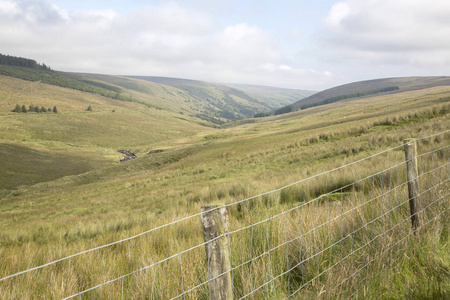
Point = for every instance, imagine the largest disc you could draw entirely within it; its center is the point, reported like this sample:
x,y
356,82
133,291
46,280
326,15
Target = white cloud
x,y
167,39
339,12
409,32
8,8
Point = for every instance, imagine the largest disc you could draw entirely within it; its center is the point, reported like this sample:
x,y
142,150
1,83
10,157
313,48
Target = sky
x,y
301,44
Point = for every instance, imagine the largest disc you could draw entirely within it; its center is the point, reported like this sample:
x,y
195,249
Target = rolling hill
x,y
272,96
63,189
213,103
54,217
227,102
367,88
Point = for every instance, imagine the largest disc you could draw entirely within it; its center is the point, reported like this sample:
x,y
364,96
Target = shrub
x,y
17,109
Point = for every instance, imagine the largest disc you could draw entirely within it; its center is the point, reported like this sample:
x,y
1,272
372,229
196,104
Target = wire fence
x,y
302,238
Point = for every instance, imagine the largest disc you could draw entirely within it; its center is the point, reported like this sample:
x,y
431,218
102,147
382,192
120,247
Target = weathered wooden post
x,y
214,224
413,183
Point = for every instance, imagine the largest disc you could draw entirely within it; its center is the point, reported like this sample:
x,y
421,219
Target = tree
x,y
49,109
17,109
55,110
43,109
89,108
24,109
36,109
31,107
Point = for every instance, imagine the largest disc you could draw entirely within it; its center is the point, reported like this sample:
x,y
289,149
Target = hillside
x,y
273,96
193,166
38,147
63,188
227,102
367,88
213,103
126,113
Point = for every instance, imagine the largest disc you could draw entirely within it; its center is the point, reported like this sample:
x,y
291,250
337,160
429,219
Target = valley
x,y
63,189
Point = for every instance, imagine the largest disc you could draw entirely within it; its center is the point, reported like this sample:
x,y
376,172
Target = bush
x,y
17,109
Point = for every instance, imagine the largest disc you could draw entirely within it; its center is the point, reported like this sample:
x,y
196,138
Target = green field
x,y
64,191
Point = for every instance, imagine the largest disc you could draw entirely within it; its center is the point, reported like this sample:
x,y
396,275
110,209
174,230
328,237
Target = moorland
x,y
63,189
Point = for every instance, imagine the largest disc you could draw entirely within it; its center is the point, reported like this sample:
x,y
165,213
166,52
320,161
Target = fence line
x,y
311,230
320,252
376,237
198,214
287,242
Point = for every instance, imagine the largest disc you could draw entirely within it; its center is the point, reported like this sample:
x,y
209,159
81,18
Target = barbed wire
x,y
408,234
224,235
371,241
334,244
155,264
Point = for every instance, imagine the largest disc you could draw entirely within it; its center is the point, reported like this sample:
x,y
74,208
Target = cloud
x,y
401,32
165,39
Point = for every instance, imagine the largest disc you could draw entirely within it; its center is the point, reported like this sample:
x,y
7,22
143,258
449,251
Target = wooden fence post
x,y
413,183
214,224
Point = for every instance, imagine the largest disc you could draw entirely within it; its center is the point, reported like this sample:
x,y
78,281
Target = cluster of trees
x,y
284,110
32,108
22,62
348,96
261,115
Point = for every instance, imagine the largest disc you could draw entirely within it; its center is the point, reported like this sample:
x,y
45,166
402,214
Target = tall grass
x,y
326,236
351,232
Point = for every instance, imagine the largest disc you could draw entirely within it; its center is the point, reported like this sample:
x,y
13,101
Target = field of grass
x,y
74,140
182,166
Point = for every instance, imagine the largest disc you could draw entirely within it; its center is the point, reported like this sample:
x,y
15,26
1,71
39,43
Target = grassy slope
x,y
273,96
220,100
64,216
404,84
211,102
88,138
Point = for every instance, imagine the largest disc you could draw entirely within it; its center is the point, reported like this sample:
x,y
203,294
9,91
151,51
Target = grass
x,y
55,218
23,165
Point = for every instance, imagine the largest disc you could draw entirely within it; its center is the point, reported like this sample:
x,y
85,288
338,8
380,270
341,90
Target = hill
x,y
37,147
227,102
182,165
273,96
213,103
367,88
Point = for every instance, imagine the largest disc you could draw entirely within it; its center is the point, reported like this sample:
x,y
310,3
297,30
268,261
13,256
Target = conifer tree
x,y
17,109
89,108
55,110
24,109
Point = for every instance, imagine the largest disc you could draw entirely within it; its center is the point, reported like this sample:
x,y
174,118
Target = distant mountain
x,y
223,102
366,88
273,96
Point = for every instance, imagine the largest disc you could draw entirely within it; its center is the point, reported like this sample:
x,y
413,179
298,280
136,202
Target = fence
x,y
316,236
